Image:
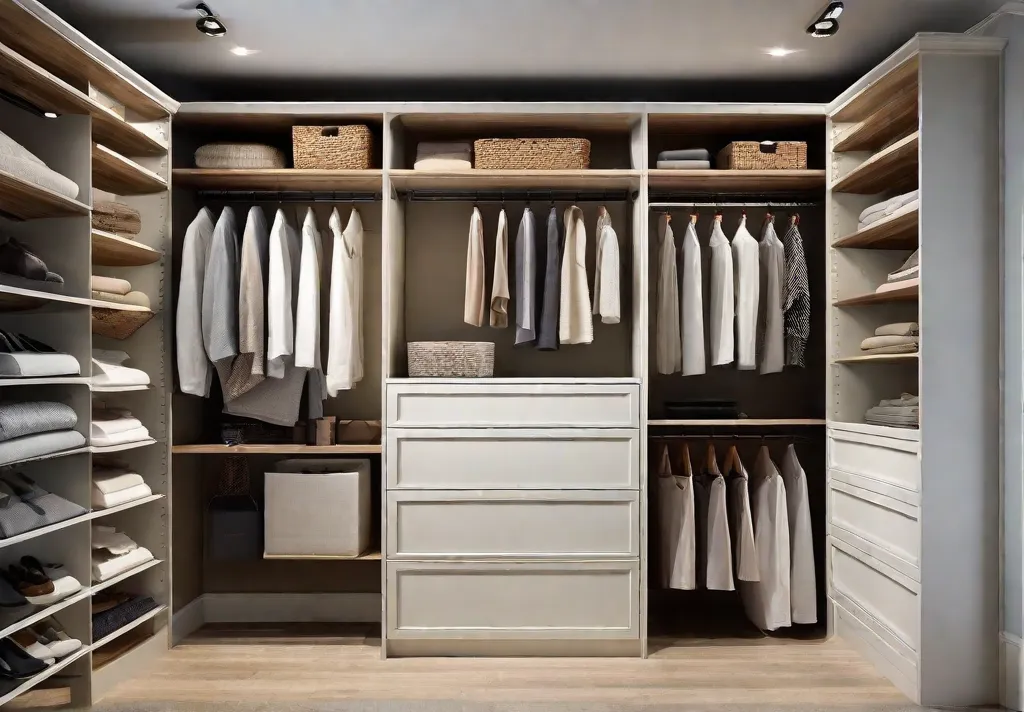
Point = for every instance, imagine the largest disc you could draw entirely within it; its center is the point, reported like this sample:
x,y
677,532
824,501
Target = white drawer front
x,y
528,405
887,523
889,596
548,601
512,459
514,524
885,459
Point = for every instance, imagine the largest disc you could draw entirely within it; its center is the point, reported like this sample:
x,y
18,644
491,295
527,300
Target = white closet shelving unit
x,y
111,134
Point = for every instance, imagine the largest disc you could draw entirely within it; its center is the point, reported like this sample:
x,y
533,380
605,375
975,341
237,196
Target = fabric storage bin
x,y
532,153
239,156
451,359
234,529
318,507
332,147
763,155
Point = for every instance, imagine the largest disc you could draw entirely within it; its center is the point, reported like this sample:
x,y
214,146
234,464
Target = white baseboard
x,y
1011,677
275,608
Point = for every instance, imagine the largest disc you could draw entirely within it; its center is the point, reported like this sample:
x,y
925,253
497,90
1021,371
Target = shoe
x,y
105,600
28,641
53,635
10,597
16,664
64,584
33,584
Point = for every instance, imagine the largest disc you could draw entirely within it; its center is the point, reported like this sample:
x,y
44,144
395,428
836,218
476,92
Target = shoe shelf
x,y
98,513
118,389
45,674
129,627
96,588
46,612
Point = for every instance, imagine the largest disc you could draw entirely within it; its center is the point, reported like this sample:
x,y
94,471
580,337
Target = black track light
x,y
23,104
827,23
208,23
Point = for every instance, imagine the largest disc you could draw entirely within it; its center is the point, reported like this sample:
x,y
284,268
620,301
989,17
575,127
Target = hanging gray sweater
x,y
547,339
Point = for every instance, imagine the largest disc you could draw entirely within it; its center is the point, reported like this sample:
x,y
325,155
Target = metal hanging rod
x,y
729,436
761,204
288,196
501,196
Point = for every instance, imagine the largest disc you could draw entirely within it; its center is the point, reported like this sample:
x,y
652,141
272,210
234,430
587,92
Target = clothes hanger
x,y
732,460
687,463
710,460
665,465
693,218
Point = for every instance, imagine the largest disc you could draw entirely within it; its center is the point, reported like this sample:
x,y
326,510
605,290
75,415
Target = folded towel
x,y
138,299
443,164
887,207
902,410
429,149
901,328
874,342
26,364
684,165
110,284
107,370
34,417
106,567
893,286
129,436
906,399
113,541
110,482
908,269
113,499
900,349
113,427
685,154
39,445
892,422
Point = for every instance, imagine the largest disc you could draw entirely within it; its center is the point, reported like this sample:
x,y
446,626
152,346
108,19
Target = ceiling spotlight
x,y
208,23
243,51
780,52
50,115
827,23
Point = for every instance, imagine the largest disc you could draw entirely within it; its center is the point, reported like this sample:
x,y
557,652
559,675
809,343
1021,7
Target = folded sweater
x,y
34,417
685,154
886,208
103,500
109,481
684,165
110,284
901,328
874,342
106,566
121,438
138,299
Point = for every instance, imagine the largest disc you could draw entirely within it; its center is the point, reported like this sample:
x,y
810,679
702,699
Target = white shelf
x,y
97,587
911,434
742,422
48,672
43,531
117,389
25,622
48,456
101,449
97,513
131,626
46,381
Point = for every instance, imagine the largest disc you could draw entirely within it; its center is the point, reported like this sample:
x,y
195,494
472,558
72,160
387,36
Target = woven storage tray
x,y
537,154
239,156
117,323
451,359
116,217
332,147
763,155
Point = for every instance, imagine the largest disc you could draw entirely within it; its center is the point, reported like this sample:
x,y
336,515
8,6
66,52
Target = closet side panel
x,y
640,285
960,199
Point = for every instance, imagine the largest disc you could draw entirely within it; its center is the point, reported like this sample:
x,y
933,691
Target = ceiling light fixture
x,y
827,23
50,115
208,23
24,105
780,52
243,51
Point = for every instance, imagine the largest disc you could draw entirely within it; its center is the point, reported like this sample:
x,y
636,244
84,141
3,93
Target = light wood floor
x,y
218,665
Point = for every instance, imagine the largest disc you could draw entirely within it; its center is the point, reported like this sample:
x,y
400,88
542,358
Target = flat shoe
x,y
28,642
16,664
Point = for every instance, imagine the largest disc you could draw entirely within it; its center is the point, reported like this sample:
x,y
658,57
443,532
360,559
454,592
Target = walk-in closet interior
x,y
730,381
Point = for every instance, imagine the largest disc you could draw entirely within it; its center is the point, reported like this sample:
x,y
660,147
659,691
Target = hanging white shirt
x,y
746,267
499,285
676,524
575,322
723,306
668,346
307,316
767,601
220,296
345,327
745,559
803,585
194,374
473,311
282,290
719,558
773,280
692,305
606,277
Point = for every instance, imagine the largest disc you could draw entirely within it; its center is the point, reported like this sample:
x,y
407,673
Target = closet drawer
x,y
528,405
886,459
892,598
514,524
543,601
508,458
886,527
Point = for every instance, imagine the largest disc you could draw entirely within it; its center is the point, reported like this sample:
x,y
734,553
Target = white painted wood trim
x,y
187,621
291,607
1011,677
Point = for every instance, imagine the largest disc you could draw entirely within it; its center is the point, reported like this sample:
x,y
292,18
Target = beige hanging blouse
x,y
499,288
473,313
668,347
575,321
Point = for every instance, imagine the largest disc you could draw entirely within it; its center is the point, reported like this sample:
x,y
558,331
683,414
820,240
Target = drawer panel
x,y
885,593
514,524
507,458
549,601
528,405
885,459
887,523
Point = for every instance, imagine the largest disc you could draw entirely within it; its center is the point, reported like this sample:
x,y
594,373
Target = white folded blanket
x,y
112,540
900,328
108,370
887,207
109,482
25,364
106,567
113,499
19,161
686,164
128,436
443,164
111,284
876,342
113,427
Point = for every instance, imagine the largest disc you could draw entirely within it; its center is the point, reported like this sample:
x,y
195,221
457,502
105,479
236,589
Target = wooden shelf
x,y
515,180
285,449
893,168
366,556
110,250
904,294
282,179
876,96
879,358
28,201
895,118
21,299
116,174
118,306
742,422
737,182
98,513
111,130
897,232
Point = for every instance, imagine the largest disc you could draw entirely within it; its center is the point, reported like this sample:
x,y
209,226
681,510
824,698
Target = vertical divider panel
x,y
639,282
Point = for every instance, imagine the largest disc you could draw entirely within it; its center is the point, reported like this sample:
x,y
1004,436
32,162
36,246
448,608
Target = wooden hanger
x,y
732,460
686,465
711,461
693,218
665,466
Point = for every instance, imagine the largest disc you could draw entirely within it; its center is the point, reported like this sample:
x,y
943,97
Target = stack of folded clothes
x,y
20,267
899,338
112,610
685,159
115,426
22,163
24,357
36,428
116,484
118,291
114,552
108,370
118,218
902,412
908,275
447,156
900,205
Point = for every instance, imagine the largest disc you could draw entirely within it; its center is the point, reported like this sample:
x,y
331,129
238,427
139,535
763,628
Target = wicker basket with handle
x,y
239,156
763,155
531,153
451,359
332,147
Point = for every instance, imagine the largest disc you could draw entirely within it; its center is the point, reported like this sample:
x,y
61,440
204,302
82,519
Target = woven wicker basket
x,y
451,359
239,156
116,217
532,154
332,147
763,156
117,323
